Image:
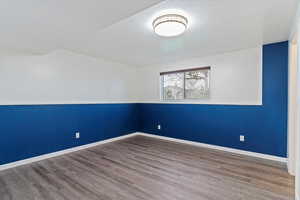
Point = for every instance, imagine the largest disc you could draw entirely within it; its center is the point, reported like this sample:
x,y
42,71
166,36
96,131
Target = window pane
x,y
196,84
173,86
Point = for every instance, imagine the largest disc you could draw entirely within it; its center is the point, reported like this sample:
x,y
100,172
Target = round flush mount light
x,y
170,25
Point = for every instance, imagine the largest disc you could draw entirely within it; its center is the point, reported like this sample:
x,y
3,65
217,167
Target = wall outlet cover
x,y
242,138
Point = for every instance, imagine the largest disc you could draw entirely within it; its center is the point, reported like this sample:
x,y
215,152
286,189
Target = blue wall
x,y
28,131
264,127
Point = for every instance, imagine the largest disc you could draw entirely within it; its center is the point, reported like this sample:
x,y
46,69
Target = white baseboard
x,y
231,150
59,153
291,169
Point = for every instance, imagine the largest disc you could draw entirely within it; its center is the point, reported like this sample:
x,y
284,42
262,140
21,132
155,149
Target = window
x,y
185,84
173,88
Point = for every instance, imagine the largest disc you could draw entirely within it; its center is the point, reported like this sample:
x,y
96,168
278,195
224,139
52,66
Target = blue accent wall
x,y
28,131
264,127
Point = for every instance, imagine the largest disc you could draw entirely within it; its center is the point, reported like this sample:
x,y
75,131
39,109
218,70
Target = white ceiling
x,y
121,30
41,26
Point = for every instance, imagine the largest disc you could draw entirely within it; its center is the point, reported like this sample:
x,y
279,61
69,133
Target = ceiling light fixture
x,y
170,25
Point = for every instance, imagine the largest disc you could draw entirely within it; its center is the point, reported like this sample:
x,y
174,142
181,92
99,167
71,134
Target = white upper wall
x,y
64,77
236,78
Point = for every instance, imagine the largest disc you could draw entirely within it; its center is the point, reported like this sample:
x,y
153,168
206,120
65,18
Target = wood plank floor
x,y
140,168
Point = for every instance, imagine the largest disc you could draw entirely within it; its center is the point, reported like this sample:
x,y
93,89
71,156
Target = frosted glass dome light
x,y
170,25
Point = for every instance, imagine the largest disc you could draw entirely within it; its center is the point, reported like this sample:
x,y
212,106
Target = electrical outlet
x,y
77,135
242,138
158,127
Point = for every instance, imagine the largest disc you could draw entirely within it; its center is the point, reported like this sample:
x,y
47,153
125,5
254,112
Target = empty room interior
x,y
150,100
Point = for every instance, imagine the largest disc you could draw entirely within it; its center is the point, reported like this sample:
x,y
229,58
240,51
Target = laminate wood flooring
x,y
144,168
